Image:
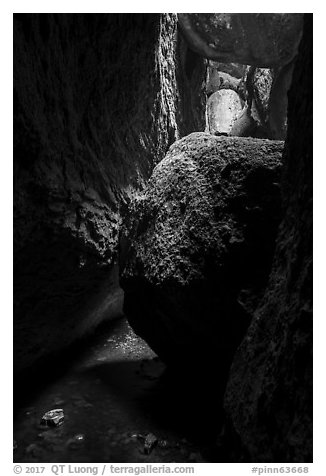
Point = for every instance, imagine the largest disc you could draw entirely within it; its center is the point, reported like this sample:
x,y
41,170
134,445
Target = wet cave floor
x,y
113,392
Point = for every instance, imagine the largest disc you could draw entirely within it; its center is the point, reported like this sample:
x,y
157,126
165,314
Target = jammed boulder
x,y
263,94
98,99
197,249
223,108
269,394
232,37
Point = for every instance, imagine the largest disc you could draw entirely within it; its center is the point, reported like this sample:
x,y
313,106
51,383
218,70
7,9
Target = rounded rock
x,y
232,37
223,108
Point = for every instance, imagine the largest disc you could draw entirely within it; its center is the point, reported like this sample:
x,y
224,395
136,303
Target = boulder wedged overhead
x,y
98,99
260,39
197,247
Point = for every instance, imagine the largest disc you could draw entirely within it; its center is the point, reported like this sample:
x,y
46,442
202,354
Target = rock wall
x,y
269,394
98,99
231,38
278,104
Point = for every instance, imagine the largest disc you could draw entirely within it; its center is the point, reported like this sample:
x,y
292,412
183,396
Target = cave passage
x,y
114,391
162,253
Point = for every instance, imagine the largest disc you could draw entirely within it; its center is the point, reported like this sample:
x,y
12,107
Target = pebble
x,y
53,417
75,442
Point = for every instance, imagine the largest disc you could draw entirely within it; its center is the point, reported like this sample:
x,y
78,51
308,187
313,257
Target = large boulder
x,y
268,400
197,249
261,39
98,99
223,108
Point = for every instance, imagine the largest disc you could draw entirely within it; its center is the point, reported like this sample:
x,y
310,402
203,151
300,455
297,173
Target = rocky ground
x,y
113,394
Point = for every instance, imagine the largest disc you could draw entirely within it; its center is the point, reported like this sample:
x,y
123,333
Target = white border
x,y
7,8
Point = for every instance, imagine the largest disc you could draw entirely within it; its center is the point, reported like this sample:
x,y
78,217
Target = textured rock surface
x,y
263,93
232,37
278,103
262,81
235,70
244,125
98,99
220,80
269,394
267,97
197,250
223,108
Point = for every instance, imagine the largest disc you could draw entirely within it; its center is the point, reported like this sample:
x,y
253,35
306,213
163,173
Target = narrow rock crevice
x,y
98,99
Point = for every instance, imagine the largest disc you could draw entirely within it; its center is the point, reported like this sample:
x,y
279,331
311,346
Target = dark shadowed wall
x,y
269,394
98,98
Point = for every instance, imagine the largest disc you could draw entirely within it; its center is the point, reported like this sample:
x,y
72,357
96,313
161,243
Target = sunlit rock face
x,y
196,250
98,99
265,41
268,400
263,96
261,39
